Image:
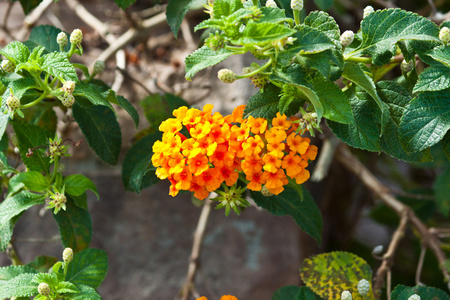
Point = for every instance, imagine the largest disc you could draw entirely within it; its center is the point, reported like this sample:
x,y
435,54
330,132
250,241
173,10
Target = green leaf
x,y
298,76
42,263
329,274
123,4
355,74
75,226
441,54
77,184
7,273
58,65
16,52
433,78
324,4
211,23
19,88
263,33
203,58
32,180
19,286
101,129
129,108
80,201
365,132
425,121
11,207
4,119
263,104
85,292
45,35
441,188
382,29
66,287
273,15
446,144
325,23
41,115
224,8
306,213
292,292
93,93
397,98
402,292
88,267
28,137
335,103
135,174
175,12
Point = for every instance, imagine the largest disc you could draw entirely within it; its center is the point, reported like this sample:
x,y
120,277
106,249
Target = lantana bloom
x,y
200,151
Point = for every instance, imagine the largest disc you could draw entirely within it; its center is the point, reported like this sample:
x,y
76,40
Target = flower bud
x,y
363,287
215,41
444,35
265,191
69,87
67,100
226,75
76,37
13,102
271,3
347,38
8,66
407,66
99,67
368,10
297,4
414,297
61,39
346,295
44,289
67,255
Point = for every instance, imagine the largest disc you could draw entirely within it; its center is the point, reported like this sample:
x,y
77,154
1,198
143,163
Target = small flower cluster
x,y
224,297
199,151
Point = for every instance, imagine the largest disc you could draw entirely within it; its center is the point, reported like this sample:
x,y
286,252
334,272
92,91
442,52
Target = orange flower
x,y
200,191
281,121
229,175
206,145
228,297
170,126
311,153
191,117
200,130
210,179
183,179
256,180
180,112
176,163
272,162
297,143
222,156
275,181
257,125
275,135
302,176
236,115
253,145
198,164
292,164
252,164
188,148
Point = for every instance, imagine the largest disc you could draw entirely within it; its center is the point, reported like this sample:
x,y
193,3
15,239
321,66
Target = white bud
x,y
347,38
414,297
346,295
271,3
407,66
377,250
363,287
444,35
368,10
297,4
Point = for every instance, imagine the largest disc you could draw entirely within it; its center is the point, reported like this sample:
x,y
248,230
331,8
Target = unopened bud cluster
x,y
67,99
407,66
271,3
346,295
215,41
44,289
62,40
226,75
58,202
67,255
444,35
347,38
8,66
297,4
258,80
367,11
76,37
363,287
99,67
13,102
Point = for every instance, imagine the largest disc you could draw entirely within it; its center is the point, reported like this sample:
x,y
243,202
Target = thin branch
x,y
32,18
388,257
325,158
196,248
420,264
433,8
382,192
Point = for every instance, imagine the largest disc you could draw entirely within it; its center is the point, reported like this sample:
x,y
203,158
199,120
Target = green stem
x,y
297,17
55,170
255,2
41,97
238,50
73,47
265,66
364,60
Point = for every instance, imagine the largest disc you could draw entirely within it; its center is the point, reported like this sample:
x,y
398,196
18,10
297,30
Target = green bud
x,y
44,289
258,80
265,191
76,37
67,100
271,3
67,255
8,66
363,287
226,75
69,86
215,41
297,4
13,102
62,41
99,67
444,35
407,66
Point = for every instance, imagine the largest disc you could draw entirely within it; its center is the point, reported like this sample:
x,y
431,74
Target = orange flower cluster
x,y
224,297
200,150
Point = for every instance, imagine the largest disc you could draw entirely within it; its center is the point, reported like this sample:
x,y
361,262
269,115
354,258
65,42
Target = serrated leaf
x,y
397,98
28,137
16,52
298,76
433,78
45,35
88,267
365,132
441,54
382,29
101,129
42,263
425,121
203,58
77,184
66,287
80,201
19,88
325,23
11,207
42,115
93,93
446,144
135,175
306,213
123,4
175,12
224,8
263,104
85,292
335,103
4,120
402,292
274,15
19,286
32,180
51,278
125,104
354,73
329,274
263,33
7,273
441,188
58,65
293,292
211,23
75,226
